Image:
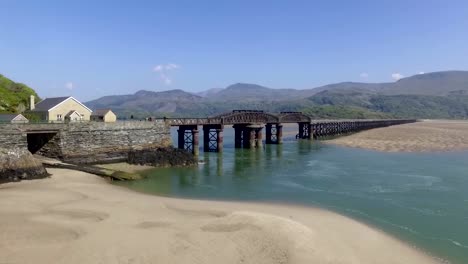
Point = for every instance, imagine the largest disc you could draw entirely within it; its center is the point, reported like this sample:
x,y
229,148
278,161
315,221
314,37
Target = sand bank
x,y
75,217
416,137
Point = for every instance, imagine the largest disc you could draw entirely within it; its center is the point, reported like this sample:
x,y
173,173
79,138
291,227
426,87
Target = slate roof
x,y
48,103
8,117
100,112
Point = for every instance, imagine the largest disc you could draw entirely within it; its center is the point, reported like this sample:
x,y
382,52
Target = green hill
x,y
403,106
14,97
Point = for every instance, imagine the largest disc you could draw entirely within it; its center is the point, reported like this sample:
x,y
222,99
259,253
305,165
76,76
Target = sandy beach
x,y
426,136
75,217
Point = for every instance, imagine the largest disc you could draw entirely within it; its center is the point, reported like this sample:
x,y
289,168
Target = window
x,y
59,117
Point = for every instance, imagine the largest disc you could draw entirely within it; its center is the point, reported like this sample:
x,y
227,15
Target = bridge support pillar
x,y
239,135
213,138
274,133
305,130
252,138
187,138
314,129
196,144
248,136
255,136
259,137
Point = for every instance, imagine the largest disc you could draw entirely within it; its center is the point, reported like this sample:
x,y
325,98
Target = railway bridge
x,y
248,126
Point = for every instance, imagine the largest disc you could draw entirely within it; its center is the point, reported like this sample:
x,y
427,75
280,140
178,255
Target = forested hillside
x,y
14,97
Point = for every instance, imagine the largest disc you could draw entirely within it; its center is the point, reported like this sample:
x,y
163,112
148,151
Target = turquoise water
x,y
419,198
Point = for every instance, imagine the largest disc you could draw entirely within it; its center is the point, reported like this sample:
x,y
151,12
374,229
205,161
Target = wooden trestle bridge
x,y
248,126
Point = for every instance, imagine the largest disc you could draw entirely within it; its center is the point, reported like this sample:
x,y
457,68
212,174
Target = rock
x,y
162,157
19,164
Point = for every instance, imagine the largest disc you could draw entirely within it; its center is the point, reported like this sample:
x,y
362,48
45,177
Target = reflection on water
x,y
421,198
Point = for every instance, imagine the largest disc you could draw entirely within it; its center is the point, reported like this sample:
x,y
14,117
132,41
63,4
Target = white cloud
x,y
158,68
69,85
421,72
397,76
172,66
163,70
364,75
165,67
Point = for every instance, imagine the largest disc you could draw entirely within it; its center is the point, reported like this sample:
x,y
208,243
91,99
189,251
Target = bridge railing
x,y
191,121
232,121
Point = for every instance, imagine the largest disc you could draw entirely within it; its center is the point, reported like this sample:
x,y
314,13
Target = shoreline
x,y
297,206
219,231
125,167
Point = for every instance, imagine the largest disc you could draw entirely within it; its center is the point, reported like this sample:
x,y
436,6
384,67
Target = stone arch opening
x,y
42,143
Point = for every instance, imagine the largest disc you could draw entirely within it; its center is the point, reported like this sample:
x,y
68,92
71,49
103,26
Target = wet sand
x,y
426,136
125,167
74,217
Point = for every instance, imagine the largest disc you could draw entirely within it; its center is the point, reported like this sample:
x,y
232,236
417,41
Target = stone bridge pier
x,y
248,136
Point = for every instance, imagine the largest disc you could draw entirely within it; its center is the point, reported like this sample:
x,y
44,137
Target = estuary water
x,y
419,198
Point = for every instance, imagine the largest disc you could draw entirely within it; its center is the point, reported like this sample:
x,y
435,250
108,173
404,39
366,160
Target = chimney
x,y
31,102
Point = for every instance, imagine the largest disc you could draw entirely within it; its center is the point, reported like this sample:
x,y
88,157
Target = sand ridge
x,y
425,136
75,217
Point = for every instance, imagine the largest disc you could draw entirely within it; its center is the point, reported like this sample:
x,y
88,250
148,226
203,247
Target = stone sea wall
x,y
86,143
97,142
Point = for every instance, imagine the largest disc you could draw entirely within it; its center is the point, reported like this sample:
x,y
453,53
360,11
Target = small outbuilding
x,y
103,115
72,116
13,118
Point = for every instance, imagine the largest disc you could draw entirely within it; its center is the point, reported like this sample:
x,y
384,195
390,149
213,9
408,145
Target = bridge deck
x,y
213,121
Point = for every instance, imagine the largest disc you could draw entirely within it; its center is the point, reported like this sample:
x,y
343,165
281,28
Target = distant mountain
x,y
14,97
429,95
402,105
435,83
253,92
209,92
353,86
146,102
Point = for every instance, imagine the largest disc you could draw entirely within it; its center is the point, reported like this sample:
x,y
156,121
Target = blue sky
x,y
89,49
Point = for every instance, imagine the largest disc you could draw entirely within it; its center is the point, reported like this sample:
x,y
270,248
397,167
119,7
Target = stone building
x,y
103,115
60,109
13,118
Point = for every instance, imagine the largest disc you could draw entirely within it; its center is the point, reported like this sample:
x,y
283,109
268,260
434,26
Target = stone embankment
x,y
97,142
145,143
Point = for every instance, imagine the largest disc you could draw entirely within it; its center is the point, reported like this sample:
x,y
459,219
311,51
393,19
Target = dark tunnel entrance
x,y
38,140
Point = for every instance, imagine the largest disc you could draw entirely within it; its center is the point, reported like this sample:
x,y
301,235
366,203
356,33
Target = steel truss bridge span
x,y
248,126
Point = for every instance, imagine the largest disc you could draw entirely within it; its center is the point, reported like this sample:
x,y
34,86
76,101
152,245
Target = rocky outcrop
x,y
162,157
19,164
